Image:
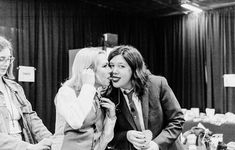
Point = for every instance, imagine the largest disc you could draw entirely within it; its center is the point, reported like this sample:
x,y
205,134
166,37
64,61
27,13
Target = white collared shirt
x,y
138,106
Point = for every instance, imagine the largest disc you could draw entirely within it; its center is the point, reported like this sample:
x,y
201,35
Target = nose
x,y
109,70
114,70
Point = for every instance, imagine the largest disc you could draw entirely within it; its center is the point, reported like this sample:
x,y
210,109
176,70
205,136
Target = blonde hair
x,y
4,43
85,58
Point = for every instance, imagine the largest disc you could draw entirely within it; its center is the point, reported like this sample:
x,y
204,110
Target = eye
x,y
121,66
111,65
2,58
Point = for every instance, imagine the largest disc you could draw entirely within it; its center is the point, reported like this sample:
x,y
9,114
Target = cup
x,y
196,112
184,110
210,112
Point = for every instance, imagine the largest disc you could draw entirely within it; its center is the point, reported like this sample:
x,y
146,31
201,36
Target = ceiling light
x,y
191,7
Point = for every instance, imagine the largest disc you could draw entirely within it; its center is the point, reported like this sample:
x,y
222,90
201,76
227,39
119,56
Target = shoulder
x,y
13,84
154,79
64,92
65,89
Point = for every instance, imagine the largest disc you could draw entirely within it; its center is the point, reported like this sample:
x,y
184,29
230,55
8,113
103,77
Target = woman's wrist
x,y
113,117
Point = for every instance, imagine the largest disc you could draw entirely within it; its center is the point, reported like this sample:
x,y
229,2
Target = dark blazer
x,y
161,114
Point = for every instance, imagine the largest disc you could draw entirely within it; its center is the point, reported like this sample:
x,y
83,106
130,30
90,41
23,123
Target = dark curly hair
x,y
135,60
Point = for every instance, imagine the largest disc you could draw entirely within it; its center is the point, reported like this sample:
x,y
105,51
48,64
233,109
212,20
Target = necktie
x,y
133,109
97,100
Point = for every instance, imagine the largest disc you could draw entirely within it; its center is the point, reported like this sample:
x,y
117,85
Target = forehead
x,y
5,52
118,59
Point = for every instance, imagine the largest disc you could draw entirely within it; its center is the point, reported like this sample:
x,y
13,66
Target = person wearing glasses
x,y
149,116
20,127
85,118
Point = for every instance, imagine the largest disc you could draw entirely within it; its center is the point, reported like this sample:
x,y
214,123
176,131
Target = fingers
x,y
136,138
46,142
110,107
148,136
44,147
107,103
103,99
140,139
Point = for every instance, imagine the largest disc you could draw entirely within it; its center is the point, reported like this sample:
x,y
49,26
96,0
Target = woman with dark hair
x,y
149,116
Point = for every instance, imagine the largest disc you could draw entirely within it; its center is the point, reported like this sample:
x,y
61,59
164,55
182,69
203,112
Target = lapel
x,y
125,110
145,107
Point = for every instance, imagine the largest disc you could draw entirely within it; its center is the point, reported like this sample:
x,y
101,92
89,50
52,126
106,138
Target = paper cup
x,y
210,112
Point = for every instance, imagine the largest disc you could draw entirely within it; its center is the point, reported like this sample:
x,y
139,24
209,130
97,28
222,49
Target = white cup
x,y
184,110
210,112
196,112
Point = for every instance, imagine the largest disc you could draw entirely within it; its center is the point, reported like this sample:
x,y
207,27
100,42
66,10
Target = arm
x,y
36,126
7,142
75,109
33,123
109,123
174,118
107,134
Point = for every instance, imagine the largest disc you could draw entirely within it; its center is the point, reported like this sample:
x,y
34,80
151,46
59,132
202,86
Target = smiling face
x,y
102,71
121,72
5,60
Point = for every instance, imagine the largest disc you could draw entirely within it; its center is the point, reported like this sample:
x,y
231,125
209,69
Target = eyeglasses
x,y
10,59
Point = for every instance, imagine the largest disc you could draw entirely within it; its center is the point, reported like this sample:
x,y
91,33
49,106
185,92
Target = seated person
x,y
20,126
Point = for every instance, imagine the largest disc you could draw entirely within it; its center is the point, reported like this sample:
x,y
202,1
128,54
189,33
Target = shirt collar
x,y
127,91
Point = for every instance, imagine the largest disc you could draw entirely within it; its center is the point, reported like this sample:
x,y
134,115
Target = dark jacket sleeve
x,y
173,116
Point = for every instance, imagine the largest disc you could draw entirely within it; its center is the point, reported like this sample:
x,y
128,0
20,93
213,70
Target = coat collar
x,y
13,86
145,107
15,89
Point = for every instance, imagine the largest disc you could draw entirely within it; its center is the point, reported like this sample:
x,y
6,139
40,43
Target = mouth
x,y
115,79
3,69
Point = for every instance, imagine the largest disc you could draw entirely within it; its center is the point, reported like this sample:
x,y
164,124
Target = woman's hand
x,y
44,144
137,138
142,140
110,107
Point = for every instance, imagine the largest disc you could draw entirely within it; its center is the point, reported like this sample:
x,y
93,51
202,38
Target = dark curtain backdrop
x,y
183,58
192,51
42,32
198,49
220,57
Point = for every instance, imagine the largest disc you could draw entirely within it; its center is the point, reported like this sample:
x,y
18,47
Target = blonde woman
x,y
85,117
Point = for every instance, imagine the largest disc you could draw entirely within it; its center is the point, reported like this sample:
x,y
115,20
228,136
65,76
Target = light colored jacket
x,y
33,129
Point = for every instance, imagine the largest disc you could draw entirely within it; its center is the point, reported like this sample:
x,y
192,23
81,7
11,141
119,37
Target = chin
x,y
116,85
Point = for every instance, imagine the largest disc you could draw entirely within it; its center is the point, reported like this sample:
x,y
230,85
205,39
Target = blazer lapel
x,y
125,110
145,108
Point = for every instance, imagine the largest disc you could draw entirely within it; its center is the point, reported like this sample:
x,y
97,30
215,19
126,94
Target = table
x,y
227,129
